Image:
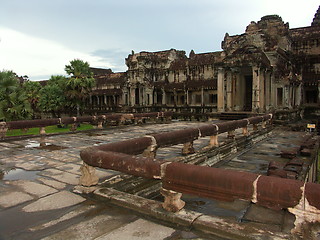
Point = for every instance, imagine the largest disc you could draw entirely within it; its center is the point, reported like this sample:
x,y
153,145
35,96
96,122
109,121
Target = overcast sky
x,y
39,37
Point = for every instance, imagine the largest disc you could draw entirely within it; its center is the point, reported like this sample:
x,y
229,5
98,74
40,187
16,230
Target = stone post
x,y
42,131
220,89
187,148
172,200
163,97
245,131
214,140
231,134
88,177
229,91
255,89
264,124
3,129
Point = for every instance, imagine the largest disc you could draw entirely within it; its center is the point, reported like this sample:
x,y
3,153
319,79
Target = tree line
x,y
21,98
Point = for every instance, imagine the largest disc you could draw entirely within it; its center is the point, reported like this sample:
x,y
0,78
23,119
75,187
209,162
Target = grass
x,y
49,129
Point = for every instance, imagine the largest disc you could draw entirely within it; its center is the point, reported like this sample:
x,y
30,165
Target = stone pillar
x,y
273,93
255,89
187,97
3,129
231,134
262,90
318,92
132,96
267,90
42,131
105,99
245,131
237,93
163,97
172,200
229,91
202,96
187,148
98,101
88,177
90,99
214,140
220,89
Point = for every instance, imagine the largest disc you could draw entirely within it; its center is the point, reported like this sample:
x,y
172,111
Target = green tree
x,y
14,104
52,96
32,90
80,83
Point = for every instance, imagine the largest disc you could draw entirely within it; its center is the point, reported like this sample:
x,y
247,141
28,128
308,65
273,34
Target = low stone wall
x,y
99,121
297,197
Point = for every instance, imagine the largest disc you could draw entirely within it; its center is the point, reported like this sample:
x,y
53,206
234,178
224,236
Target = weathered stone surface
x,y
10,199
55,201
33,188
141,230
52,183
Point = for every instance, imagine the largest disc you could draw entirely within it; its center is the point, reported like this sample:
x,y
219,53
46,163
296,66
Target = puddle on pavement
x,y
43,145
19,174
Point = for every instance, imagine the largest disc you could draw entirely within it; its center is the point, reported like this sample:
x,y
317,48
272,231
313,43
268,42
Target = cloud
x,y
116,57
36,57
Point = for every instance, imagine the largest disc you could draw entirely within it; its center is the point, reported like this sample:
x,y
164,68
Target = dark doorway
x,y
279,96
159,97
248,94
311,96
137,96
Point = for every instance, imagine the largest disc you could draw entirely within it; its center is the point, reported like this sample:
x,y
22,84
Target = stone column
x,y
237,93
262,90
88,177
273,93
187,148
132,96
105,99
267,90
163,97
202,97
214,140
172,200
229,91
255,89
220,89
187,97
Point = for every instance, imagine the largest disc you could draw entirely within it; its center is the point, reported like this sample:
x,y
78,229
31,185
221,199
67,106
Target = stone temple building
x,y
268,67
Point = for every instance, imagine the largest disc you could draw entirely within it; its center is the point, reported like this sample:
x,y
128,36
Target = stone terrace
x,y
37,199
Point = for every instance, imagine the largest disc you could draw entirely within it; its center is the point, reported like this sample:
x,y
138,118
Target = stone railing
x,y
100,120
298,197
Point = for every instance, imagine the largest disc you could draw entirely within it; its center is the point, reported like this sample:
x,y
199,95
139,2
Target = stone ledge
x,y
219,227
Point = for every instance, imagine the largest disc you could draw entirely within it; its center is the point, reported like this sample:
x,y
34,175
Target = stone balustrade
x,y
99,121
299,198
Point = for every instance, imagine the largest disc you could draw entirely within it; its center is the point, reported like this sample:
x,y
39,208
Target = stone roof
x,y
204,58
305,33
316,19
112,78
100,71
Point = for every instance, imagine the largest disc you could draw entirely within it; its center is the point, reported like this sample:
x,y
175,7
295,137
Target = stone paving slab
x,y
139,230
55,201
57,213
34,188
11,199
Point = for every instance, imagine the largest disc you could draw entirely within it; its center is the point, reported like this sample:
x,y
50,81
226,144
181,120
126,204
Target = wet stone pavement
x,y
39,174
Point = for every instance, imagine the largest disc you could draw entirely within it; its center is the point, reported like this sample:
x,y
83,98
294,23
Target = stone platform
x,y
38,201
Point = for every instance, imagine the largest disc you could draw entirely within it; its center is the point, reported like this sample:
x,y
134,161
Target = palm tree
x,y
52,95
80,83
32,90
13,101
